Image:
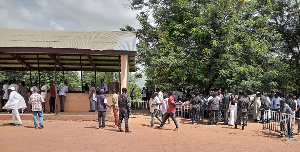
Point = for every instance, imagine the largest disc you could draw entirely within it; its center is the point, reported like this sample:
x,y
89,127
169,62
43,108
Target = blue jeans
x,y
93,103
155,114
40,113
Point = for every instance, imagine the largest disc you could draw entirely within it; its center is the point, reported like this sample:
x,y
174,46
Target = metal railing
x,y
279,122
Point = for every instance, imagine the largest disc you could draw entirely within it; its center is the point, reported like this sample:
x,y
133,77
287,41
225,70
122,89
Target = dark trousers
x,y
172,115
202,114
195,111
241,116
225,115
213,117
123,115
62,102
52,104
101,118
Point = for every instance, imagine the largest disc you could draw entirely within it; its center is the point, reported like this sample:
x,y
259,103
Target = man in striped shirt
x,y
36,101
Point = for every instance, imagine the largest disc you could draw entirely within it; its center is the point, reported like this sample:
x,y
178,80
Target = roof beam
x,y
91,61
22,61
39,50
53,57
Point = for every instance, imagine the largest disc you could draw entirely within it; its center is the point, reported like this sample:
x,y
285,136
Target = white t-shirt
x,y
277,103
44,94
156,101
62,91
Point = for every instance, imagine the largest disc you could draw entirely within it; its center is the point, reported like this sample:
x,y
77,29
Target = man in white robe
x,y
256,108
14,103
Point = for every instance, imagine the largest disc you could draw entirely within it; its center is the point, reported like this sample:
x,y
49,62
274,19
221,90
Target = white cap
x,y
101,90
12,88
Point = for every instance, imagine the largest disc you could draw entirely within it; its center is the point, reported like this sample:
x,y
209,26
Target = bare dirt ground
x,y
85,136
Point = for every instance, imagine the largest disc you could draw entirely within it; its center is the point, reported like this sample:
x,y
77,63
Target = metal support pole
x,y
81,74
120,75
30,77
95,78
39,70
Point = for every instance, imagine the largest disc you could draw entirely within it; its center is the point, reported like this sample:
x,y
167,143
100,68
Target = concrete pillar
x,y
124,72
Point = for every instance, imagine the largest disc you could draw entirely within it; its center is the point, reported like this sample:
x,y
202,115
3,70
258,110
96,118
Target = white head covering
x,y
12,88
15,101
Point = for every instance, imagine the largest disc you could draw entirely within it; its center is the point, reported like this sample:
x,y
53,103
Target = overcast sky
x,y
66,14
84,15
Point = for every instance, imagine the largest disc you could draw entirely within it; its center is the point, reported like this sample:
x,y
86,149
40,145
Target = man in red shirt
x,y
52,97
170,112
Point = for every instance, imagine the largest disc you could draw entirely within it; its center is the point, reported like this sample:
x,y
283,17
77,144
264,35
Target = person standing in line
x,y
165,106
43,94
14,84
115,107
14,103
144,97
102,104
103,85
132,94
62,96
233,110
225,106
5,93
160,96
156,102
52,97
170,112
124,110
23,90
256,108
214,109
243,109
36,101
92,97
265,105
276,102
195,108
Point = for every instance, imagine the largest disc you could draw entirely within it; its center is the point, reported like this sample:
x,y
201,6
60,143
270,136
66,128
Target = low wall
x,y
76,102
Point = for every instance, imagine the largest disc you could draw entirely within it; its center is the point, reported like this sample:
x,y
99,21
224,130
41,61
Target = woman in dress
x,y
233,110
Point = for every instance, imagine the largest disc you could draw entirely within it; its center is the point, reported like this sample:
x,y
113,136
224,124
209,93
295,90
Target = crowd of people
x,y
228,108
231,109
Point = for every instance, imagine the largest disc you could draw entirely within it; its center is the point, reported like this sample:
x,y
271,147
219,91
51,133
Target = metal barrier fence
x,y
139,105
279,122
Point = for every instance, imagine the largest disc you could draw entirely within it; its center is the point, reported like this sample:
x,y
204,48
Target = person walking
x,y
170,112
225,106
243,109
36,100
62,96
14,103
124,110
156,102
195,108
102,104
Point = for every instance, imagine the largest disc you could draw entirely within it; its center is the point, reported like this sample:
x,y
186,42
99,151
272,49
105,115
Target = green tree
x,y
208,44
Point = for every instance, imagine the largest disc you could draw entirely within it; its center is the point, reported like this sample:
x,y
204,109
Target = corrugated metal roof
x,y
93,40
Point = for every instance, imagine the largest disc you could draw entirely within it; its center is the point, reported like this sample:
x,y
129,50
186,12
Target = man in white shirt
x,y
33,88
43,93
62,96
156,102
276,103
103,85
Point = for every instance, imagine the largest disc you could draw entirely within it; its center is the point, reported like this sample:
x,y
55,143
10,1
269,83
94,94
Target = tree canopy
x,y
237,45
